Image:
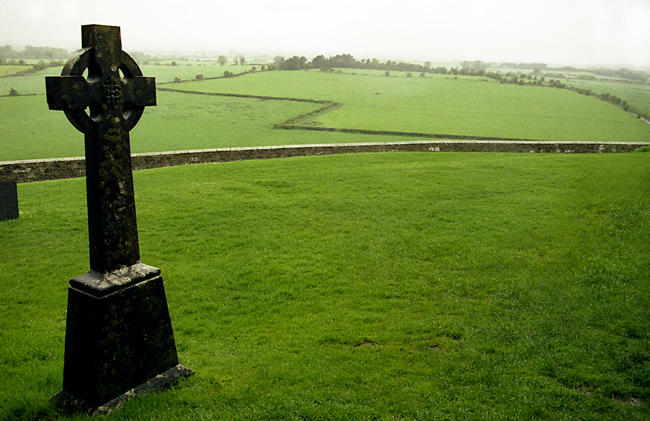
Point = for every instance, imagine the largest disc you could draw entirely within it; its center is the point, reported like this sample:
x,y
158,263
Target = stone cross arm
x,y
103,94
76,93
102,79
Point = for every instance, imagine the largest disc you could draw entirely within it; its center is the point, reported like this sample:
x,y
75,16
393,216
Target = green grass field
x,y
438,105
636,94
372,286
443,105
7,70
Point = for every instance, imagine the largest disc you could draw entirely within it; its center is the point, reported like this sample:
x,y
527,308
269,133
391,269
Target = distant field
x,y
437,104
636,94
180,121
6,70
443,104
34,83
187,71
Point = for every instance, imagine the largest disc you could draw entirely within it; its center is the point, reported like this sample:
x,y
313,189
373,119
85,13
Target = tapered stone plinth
x,y
118,338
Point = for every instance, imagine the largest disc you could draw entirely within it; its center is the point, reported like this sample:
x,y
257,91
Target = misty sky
x,y
576,32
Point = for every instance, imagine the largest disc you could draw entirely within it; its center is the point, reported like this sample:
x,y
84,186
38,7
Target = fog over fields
x,y
573,32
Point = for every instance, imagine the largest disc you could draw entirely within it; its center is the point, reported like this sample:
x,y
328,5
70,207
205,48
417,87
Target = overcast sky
x,y
577,32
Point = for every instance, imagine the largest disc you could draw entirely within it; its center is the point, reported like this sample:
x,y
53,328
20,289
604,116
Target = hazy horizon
x,y
569,32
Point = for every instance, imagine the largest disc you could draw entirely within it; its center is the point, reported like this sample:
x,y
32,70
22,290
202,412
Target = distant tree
x,y
199,77
227,74
475,67
138,56
409,74
423,74
427,66
319,62
7,52
44,52
242,61
278,62
387,74
13,92
177,80
222,60
344,61
294,63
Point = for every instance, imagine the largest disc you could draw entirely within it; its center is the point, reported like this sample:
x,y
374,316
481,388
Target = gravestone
x,y
119,335
8,200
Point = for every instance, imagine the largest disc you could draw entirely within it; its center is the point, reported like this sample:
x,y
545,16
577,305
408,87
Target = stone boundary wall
x,y
60,168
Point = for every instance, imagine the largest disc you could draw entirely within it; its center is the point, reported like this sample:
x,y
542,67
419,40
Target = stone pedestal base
x,y
119,338
71,404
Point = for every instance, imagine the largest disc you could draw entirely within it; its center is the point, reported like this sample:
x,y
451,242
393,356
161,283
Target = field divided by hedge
x,y
333,107
465,107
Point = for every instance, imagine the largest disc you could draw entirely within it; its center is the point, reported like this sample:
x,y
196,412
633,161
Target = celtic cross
x,y
103,94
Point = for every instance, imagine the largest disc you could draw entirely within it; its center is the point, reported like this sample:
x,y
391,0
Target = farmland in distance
x,y
378,106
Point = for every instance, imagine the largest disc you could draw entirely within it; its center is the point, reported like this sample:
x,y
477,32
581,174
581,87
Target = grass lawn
x,y
636,94
189,70
440,104
6,70
372,286
437,105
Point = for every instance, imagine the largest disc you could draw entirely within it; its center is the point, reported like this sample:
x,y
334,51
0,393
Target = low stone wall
x,y
59,168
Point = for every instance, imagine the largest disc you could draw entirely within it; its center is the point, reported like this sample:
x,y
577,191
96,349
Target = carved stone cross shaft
x,y
103,94
119,340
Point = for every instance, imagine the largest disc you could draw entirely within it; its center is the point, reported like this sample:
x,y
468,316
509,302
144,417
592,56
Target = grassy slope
x,y
5,70
636,94
465,106
442,104
179,121
422,286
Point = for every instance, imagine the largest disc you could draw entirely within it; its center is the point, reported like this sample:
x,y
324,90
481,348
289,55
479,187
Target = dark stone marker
x,y
8,200
118,335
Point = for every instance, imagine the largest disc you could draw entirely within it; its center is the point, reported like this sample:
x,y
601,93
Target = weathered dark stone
x,y
118,335
8,200
116,104
117,341
71,404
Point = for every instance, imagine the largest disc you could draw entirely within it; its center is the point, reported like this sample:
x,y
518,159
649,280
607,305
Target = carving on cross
x,y
105,105
107,94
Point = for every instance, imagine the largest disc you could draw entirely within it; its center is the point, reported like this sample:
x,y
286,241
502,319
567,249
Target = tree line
x,y
347,61
467,68
8,53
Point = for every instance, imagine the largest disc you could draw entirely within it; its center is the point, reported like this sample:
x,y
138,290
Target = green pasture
x,y
398,286
178,122
189,70
33,83
7,70
443,104
636,94
439,105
